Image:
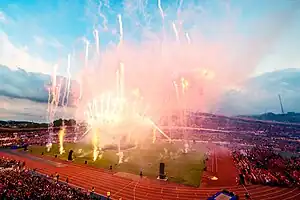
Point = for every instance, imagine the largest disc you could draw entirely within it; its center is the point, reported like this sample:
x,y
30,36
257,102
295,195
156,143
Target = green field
x,y
179,167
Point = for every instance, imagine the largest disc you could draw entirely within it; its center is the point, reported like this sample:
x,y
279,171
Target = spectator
x,y
25,184
263,166
108,195
141,174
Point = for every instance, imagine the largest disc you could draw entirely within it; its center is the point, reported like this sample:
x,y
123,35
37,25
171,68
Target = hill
x,y
290,117
260,94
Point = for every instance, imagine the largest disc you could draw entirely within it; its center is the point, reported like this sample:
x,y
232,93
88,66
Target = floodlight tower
x,y
281,106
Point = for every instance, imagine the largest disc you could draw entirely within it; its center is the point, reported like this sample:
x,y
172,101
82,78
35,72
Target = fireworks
x,y
110,109
113,115
61,135
125,88
53,101
175,31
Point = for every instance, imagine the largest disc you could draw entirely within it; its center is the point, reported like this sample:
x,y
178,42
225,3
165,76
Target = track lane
x,y
103,181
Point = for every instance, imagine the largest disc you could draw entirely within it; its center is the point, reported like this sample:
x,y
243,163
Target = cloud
x,y
38,40
52,42
21,109
26,44
55,43
24,96
25,85
20,84
2,17
13,56
260,94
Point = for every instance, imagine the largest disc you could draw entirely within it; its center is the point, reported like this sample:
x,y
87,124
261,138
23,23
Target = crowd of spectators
x,y
263,166
256,165
234,132
19,139
217,129
17,182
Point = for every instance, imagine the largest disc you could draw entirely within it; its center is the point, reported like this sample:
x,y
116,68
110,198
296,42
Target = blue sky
x,y
50,29
36,34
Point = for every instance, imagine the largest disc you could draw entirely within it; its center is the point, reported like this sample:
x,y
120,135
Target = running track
x,y
104,181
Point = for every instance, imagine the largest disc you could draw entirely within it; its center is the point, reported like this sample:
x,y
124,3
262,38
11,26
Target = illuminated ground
x,y
180,168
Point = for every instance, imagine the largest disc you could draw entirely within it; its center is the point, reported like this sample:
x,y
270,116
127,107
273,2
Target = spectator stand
x,y
93,195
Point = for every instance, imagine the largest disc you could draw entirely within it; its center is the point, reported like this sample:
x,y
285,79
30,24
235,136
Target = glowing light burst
x,y
132,83
61,135
111,112
115,117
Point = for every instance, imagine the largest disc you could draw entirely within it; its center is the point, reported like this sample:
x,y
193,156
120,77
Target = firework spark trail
x,y
49,101
80,89
162,14
142,6
121,80
175,31
106,3
49,110
184,85
120,30
179,7
118,83
77,108
105,21
55,94
67,84
61,135
65,93
176,90
96,36
87,43
54,81
55,104
69,78
121,64
154,135
91,117
161,11
187,36
86,132
57,97
181,100
159,130
95,144
65,101
52,98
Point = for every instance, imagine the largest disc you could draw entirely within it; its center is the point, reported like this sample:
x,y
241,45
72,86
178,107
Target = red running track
x,y
103,181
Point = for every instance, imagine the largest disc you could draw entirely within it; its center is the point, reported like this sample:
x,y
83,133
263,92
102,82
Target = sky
x,y
35,35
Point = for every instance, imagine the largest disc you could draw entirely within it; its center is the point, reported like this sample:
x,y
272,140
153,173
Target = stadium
x,y
221,171
150,102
